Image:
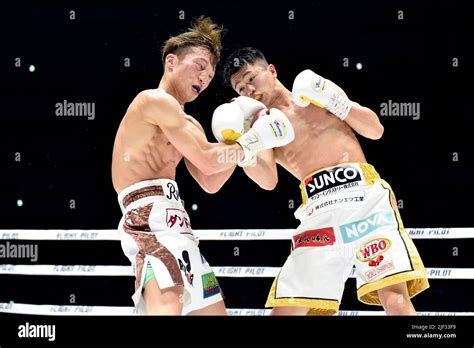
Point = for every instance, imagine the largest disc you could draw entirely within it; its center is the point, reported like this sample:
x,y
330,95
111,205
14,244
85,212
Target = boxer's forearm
x,y
209,183
264,172
220,158
364,121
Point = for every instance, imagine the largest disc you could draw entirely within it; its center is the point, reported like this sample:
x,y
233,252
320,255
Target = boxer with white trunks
x,y
349,215
172,277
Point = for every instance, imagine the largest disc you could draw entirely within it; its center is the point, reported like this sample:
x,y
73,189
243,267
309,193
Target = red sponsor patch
x,y
315,238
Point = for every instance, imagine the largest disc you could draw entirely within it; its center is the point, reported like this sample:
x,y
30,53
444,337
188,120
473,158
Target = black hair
x,y
238,59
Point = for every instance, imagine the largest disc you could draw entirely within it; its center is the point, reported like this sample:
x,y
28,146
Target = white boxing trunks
x,y
349,216
156,232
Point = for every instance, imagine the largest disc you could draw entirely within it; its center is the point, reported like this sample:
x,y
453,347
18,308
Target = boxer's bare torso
x,y
321,140
141,150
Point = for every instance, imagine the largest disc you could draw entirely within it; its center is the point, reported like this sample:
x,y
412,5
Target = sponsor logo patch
x,y
278,128
210,285
330,178
348,199
314,238
177,218
384,267
358,229
372,251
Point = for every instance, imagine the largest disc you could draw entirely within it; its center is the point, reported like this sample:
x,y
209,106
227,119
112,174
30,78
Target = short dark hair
x,y
238,59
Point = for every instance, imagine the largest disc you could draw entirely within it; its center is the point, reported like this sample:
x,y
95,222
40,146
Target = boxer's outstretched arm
x,y
363,120
209,183
264,173
164,111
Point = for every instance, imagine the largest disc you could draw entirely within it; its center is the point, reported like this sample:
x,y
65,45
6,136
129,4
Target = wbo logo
x,y
372,251
358,229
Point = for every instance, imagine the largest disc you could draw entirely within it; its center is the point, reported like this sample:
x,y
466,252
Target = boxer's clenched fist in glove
x,y
271,129
309,87
233,119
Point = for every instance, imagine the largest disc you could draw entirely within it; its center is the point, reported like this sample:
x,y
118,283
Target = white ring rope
x,y
220,271
22,308
234,234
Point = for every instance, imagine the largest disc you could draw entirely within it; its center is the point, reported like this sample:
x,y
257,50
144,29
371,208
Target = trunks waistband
x,y
147,188
338,177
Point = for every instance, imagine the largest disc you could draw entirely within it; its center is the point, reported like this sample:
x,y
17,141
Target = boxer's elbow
x,y
374,129
212,187
211,190
209,168
377,132
268,185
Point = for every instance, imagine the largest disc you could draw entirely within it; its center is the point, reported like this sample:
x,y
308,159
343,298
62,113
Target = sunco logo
x,y
331,178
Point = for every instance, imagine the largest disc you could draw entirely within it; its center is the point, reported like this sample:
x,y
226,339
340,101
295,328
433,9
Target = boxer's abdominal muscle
x,y
321,140
142,152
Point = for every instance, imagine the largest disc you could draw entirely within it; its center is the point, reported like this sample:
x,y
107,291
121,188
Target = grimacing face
x,y
255,81
192,72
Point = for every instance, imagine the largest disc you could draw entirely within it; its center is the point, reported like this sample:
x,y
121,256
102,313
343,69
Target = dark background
x,y
82,60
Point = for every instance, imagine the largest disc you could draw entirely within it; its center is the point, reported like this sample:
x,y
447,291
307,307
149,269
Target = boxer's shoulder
x,y
159,108
158,98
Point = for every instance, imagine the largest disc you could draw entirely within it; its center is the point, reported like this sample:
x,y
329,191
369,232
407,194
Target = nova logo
x,y
329,178
358,229
373,249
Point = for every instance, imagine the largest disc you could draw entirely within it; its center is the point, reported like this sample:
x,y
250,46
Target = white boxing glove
x,y
227,122
231,120
309,87
272,129
249,107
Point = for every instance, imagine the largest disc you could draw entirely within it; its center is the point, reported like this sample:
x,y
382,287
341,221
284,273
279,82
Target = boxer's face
x,y
191,72
255,81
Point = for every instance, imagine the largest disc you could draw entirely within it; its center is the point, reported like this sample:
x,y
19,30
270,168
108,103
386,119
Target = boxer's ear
x,y
272,70
171,60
